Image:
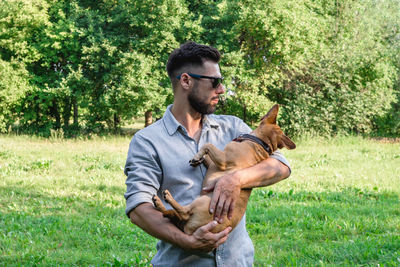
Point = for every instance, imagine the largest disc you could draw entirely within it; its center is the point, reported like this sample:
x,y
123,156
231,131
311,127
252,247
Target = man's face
x,y
203,98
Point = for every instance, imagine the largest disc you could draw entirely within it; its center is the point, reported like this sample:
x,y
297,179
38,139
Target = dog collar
x,y
254,139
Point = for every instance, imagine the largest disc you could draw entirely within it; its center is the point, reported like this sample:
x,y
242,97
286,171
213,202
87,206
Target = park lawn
x,y
61,204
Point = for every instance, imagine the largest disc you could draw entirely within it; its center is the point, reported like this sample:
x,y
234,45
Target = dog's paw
x,y
156,201
167,195
196,161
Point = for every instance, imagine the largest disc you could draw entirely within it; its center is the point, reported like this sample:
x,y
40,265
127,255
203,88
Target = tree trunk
x,y
56,114
67,113
117,120
75,106
148,118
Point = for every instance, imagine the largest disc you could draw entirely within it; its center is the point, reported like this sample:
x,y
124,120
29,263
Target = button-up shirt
x,y
158,159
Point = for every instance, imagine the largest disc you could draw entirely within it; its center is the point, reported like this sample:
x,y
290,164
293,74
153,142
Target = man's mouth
x,y
215,100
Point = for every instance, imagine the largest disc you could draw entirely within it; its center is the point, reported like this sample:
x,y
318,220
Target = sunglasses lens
x,y
216,82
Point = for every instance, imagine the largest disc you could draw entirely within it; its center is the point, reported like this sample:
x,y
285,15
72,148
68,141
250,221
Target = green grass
x,y
61,203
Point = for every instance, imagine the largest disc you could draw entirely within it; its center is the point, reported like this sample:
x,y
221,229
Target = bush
x,y
13,85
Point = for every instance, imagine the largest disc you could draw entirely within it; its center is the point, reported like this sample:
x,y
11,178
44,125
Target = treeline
x,y
84,66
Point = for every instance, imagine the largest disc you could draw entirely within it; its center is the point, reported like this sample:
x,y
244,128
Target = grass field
x,y
61,204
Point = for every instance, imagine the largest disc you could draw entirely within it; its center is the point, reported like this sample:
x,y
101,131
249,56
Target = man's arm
x,y
227,188
152,221
143,175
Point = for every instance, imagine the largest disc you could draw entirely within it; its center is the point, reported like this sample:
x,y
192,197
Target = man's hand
x,y
226,193
152,221
204,240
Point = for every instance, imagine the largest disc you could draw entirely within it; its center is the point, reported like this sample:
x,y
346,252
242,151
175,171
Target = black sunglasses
x,y
215,80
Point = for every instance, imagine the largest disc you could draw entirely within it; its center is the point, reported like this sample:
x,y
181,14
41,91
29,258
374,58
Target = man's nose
x,y
220,89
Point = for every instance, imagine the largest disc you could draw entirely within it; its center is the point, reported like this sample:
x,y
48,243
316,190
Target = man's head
x,y
194,69
190,55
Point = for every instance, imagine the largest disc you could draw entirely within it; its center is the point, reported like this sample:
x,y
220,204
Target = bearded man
x,y
158,159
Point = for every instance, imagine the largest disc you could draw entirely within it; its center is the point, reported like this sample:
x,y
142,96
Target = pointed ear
x,y
286,142
271,115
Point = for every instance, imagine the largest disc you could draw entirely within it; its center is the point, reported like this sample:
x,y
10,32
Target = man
x,y
158,159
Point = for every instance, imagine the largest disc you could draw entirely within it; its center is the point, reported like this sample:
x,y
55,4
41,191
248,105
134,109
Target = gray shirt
x,y
158,159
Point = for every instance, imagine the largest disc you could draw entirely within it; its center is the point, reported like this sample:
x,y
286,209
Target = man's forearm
x,y
266,172
153,222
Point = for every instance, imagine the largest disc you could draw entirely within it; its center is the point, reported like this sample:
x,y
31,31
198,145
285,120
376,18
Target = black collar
x,y
254,139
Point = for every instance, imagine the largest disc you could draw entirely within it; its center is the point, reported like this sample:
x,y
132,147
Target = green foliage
x,y
389,123
137,85
89,66
21,21
329,79
13,85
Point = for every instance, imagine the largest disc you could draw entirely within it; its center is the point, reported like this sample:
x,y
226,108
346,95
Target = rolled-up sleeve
x,y
143,173
243,128
279,156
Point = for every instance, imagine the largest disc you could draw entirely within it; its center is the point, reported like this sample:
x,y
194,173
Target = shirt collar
x,y
209,122
172,125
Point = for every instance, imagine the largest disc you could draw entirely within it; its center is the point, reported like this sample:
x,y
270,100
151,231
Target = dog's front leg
x,y
217,156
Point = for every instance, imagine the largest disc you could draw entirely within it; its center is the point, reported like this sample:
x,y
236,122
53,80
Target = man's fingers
x,y
208,240
222,236
209,226
212,205
231,208
223,233
207,189
220,207
214,200
209,186
227,206
221,241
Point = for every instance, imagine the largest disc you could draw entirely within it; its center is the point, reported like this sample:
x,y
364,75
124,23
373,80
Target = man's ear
x,y
184,81
271,115
286,142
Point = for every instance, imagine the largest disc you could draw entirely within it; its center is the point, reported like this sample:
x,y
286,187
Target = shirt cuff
x,y
136,199
278,156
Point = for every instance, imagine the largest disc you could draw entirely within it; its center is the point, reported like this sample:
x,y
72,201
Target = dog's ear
x,y
286,142
271,115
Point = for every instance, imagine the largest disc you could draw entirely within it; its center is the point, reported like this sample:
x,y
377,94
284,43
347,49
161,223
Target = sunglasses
x,y
215,80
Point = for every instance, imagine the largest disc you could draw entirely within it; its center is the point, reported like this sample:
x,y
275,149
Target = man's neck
x,y
189,118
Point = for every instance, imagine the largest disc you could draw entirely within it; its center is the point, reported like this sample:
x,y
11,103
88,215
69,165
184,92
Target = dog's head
x,y
271,133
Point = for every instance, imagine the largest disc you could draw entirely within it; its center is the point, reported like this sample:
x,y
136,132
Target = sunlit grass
x,y
61,203
340,206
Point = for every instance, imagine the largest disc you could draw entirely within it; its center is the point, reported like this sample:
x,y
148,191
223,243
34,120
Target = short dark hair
x,y
190,54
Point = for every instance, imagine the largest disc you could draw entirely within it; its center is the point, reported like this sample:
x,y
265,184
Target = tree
x,y
328,79
13,85
92,65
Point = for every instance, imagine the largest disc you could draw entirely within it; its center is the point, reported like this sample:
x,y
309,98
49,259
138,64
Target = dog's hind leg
x,y
170,214
183,212
158,204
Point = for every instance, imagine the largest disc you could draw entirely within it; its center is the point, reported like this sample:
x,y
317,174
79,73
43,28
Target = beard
x,y
200,105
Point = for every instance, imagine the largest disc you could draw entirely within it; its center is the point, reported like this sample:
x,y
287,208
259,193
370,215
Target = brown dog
x,y
243,152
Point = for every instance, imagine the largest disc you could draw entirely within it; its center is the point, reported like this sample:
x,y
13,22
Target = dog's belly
x,y
199,208
200,214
